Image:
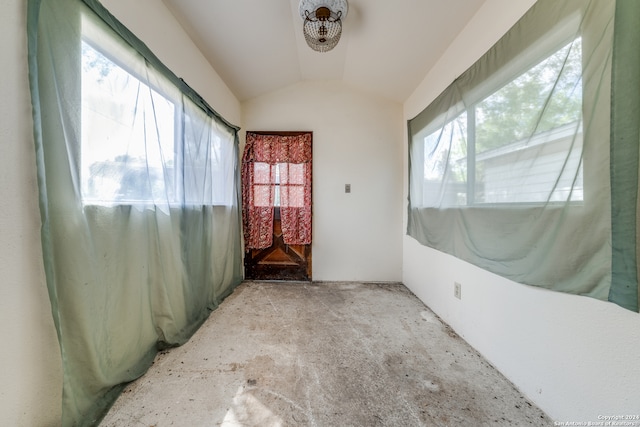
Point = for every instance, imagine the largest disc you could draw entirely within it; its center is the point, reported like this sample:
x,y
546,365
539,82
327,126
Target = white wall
x,y
357,140
576,357
31,374
153,23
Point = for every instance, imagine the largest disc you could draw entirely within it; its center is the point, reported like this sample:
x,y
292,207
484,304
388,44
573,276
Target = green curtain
x,y
625,143
526,165
139,199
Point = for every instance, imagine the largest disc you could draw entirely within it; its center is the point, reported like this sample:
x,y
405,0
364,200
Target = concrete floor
x,y
328,354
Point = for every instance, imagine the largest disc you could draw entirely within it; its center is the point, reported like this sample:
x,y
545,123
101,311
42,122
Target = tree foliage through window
x,y
514,112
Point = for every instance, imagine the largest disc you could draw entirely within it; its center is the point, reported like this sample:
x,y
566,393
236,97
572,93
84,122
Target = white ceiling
x,y
387,46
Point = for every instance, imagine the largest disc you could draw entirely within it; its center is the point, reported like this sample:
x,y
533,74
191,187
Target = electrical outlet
x,y
457,290
347,188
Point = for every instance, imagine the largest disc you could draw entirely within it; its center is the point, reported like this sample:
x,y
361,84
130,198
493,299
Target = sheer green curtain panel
x,y
625,154
139,199
511,166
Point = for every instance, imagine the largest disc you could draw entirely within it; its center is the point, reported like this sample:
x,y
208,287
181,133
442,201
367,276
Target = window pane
x,y
207,161
128,130
262,173
221,159
445,165
292,196
292,173
262,195
266,180
529,134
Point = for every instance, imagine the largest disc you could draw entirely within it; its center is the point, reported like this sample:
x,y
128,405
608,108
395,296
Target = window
x,y
128,152
520,144
140,143
276,173
279,182
263,174
511,166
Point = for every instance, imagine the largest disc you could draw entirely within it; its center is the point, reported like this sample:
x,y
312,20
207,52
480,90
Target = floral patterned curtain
x,y
274,162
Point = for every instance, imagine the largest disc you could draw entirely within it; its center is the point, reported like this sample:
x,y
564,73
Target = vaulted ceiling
x,y
387,46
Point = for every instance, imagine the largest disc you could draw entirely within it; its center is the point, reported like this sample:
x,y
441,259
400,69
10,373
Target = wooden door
x,y
286,154
280,261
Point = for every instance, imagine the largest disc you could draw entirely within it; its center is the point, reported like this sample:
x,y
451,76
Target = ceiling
x,y
387,46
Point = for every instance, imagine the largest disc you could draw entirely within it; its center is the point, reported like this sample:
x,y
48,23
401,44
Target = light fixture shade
x,y
322,25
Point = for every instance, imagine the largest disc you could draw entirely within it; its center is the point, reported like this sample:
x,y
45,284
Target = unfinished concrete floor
x,y
328,354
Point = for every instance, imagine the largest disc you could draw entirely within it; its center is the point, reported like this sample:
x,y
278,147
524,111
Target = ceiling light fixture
x,y
323,22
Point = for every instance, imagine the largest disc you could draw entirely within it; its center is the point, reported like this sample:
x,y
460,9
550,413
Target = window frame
x,y
178,169
175,185
185,98
551,41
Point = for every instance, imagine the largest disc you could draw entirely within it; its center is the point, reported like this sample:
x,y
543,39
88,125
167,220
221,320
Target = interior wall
x,y
576,357
31,374
153,23
357,140
31,379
